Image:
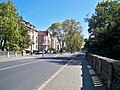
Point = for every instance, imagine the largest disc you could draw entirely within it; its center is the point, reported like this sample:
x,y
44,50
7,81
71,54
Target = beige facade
x,y
33,35
55,43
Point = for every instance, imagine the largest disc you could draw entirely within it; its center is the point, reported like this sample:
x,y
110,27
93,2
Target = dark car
x,y
40,52
34,51
55,52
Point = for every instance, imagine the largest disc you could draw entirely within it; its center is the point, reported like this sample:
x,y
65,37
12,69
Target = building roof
x,y
29,25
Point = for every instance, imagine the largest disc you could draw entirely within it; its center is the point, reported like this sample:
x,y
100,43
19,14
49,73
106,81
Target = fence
x,y
10,54
108,69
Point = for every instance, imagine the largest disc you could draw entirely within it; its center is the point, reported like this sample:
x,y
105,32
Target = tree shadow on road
x,y
63,60
59,60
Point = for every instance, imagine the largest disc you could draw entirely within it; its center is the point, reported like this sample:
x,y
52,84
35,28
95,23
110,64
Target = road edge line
x,y
50,79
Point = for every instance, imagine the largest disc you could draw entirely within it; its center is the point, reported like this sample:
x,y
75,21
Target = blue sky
x,y
42,13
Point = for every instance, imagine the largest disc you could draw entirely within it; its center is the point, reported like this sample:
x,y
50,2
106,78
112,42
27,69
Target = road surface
x,y
29,74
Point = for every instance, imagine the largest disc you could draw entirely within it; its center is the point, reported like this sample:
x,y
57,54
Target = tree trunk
x,y
3,46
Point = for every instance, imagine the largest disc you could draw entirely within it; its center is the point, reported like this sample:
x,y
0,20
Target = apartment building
x,y
33,35
45,41
55,43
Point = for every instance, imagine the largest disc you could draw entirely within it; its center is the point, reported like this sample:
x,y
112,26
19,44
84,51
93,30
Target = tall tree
x,y
9,27
68,32
12,31
57,31
104,26
24,40
73,36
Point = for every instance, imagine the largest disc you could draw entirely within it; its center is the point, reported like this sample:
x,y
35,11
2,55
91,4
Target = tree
x,y
104,17
24,40
13,34
9,27
73,37
104,26
57,31
68,32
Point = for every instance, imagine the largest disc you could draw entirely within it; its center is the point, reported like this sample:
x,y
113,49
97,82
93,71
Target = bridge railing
x,y
108,69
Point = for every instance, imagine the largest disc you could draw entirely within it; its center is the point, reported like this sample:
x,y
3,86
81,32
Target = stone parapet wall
x,y
108,69
10,53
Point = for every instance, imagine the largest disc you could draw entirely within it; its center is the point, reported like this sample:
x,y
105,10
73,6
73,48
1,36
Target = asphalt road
x,y
29,74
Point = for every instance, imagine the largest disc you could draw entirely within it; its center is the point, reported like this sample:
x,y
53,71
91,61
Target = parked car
x,y
34,51
55,52
40,52
46,51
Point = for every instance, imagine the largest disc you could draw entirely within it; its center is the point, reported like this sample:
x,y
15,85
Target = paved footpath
x,y
77,75
13,58
68,79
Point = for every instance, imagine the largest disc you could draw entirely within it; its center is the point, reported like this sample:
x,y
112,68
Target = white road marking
x,y
55,56
45,83
26,60
1,69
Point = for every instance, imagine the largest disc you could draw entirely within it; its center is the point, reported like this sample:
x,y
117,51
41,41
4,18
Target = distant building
x,y
33,35
45,41
55,43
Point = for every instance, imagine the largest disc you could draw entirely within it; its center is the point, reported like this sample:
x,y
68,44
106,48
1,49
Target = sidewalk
x,y
68,79
3,59
27,56
77,75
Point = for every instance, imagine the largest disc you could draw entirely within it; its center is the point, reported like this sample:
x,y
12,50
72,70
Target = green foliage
x,y
50,49
104,25
56,29
12,34
24,40
72,36
68,32
42,47
65,48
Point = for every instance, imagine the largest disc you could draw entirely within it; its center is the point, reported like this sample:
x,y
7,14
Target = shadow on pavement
x,y
89,78
64,60
56,58
59,60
